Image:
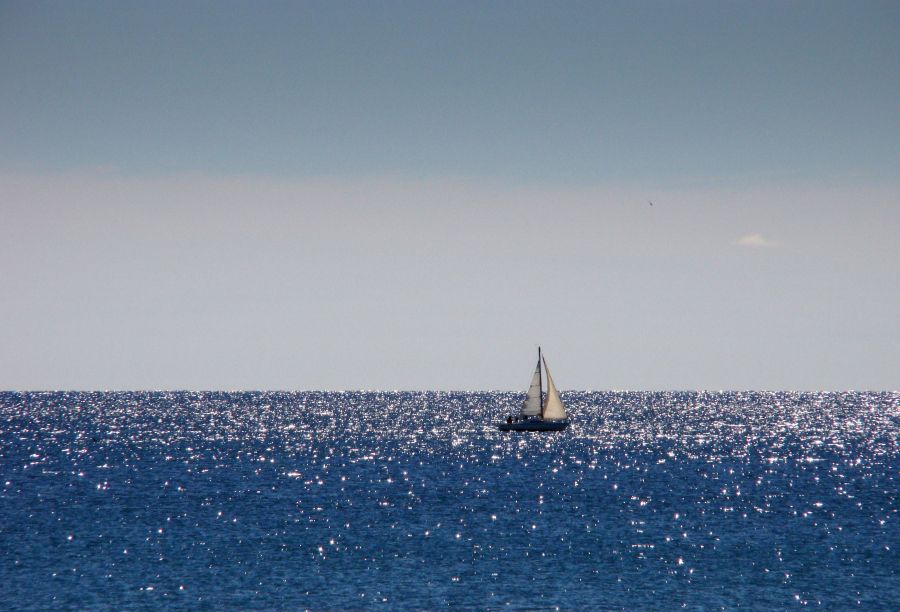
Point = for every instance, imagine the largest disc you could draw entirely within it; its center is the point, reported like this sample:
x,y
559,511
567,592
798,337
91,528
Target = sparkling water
x,y
415,500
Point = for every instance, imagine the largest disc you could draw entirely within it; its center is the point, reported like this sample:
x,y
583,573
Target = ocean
x,y
372,500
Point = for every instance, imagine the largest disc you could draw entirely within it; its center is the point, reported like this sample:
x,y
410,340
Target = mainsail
x,y
553,407
532,404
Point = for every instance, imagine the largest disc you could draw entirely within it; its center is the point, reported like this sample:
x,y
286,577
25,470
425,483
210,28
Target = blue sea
x,y
368,500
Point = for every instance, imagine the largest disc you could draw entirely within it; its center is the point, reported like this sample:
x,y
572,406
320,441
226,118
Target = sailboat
x,y
537,415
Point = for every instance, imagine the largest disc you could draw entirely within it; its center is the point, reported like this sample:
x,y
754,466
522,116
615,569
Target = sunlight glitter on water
x,y
416,500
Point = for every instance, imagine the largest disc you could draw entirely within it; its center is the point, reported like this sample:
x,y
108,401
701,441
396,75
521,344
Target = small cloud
x,y
755,241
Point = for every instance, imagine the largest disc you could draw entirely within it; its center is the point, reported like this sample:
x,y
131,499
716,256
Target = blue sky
x,y
572,92
421,192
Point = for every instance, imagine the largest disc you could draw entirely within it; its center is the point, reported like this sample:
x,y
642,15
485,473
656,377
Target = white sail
x,y
553,407
532,404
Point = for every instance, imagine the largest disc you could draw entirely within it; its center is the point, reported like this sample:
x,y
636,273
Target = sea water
x,y
415,500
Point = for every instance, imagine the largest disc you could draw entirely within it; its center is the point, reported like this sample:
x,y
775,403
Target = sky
x,y
415,195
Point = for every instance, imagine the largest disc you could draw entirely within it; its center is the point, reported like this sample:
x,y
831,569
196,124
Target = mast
x,y
540,383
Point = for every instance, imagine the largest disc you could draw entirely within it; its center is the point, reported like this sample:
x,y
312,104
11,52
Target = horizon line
x,y
464,391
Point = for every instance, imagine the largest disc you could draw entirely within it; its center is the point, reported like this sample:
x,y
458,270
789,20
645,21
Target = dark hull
x,y
533,425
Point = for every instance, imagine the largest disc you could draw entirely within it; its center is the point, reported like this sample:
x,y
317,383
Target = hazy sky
x,y
222,195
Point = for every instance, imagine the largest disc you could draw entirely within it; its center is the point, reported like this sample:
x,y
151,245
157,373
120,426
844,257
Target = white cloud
x,y
756,241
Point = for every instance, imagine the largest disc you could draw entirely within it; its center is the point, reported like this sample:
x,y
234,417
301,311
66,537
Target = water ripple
x,y
415,500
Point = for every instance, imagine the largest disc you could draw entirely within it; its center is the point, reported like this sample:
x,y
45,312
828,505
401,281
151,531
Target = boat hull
x,y
534,425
